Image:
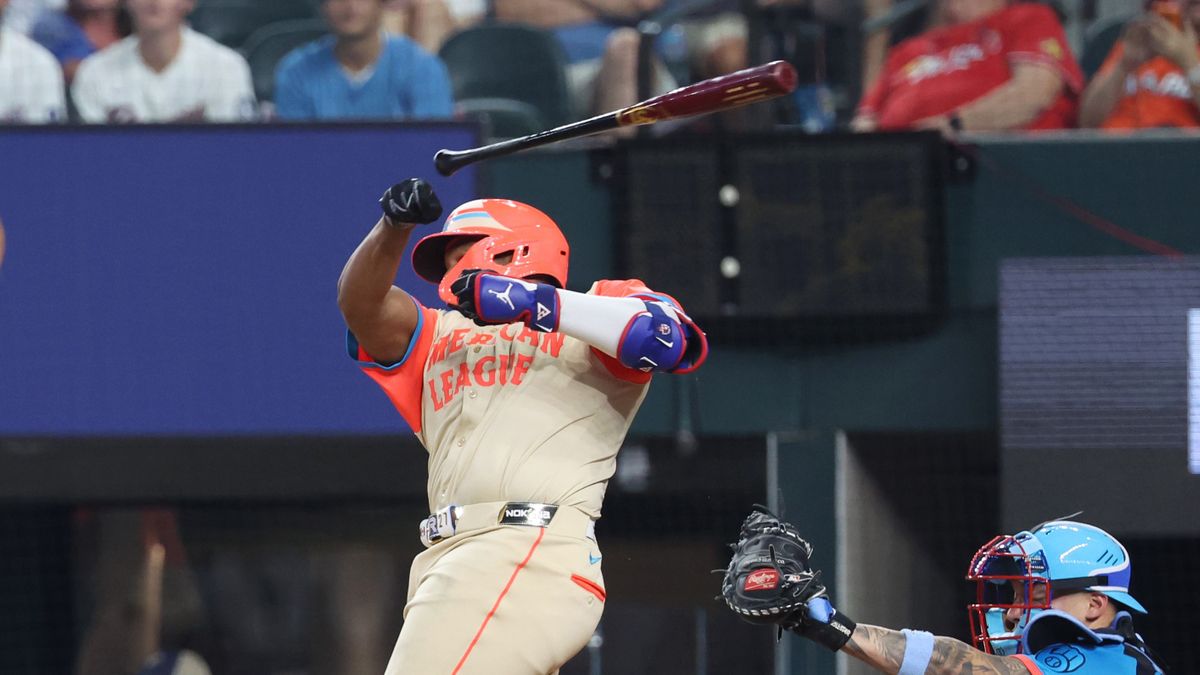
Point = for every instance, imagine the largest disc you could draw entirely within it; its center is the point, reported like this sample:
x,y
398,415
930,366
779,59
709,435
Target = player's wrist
x,y
397,225
820,622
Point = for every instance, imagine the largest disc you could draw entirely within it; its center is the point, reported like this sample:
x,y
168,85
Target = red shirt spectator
x,y
959,72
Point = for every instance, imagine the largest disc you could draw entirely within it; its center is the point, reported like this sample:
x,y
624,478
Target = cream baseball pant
x,y
502,600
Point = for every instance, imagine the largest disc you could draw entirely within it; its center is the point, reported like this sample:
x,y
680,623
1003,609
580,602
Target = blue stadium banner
x,y
181,280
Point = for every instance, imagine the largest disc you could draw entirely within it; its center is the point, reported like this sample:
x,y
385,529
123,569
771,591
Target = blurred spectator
x,y
601,48
427,22
1152,76
144,597
164,72
992,66
22,14
876,43
84,27
31,84
361,72
715,38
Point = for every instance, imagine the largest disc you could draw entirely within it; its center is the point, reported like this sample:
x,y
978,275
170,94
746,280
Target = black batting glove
x,y
463,288
411,202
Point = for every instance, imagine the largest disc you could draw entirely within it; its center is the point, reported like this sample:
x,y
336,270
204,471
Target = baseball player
x,y
1054,600
522,393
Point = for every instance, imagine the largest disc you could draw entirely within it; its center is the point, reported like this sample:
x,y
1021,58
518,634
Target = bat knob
x,y
444,162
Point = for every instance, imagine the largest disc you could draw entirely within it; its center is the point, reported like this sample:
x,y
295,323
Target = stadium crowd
x,y
976,65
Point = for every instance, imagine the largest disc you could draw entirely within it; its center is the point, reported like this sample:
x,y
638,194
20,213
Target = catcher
x,y
1039,612
522,393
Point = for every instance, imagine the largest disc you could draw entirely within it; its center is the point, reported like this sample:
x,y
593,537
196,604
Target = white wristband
x,y
918,651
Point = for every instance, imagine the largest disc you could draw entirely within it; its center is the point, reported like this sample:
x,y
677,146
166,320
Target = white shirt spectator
x,y
466,11
206,81
31,81
22,14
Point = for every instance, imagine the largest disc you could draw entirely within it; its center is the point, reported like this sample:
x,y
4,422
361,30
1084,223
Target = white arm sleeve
x,y
599,320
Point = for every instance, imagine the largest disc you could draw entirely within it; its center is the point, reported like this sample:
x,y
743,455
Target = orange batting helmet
x,y
500,226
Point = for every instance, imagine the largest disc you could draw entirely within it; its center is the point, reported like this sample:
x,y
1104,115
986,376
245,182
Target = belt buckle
x,y
529,514
440,525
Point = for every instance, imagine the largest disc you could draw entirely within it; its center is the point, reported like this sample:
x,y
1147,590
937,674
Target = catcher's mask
x,y
1057,558
501,228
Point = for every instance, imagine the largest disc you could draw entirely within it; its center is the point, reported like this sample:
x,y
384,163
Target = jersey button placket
x,y
473,405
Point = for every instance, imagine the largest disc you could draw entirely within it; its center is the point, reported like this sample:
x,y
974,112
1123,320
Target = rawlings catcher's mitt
x,y
769,581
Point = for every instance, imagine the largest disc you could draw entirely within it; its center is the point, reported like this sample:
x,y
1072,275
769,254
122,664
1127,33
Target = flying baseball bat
x,y
719,93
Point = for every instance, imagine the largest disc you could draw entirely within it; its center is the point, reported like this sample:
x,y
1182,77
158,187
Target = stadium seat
x,y
231,22
503,117
267,46
506,61
1098,41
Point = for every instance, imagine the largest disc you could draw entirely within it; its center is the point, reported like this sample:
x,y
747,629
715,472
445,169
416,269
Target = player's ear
x,y
1098,604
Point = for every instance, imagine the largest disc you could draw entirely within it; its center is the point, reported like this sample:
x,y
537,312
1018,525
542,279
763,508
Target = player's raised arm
x,y
769,581
886,650
382,316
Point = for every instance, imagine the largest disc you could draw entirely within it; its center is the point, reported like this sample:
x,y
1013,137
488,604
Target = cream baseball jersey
x,y
507,413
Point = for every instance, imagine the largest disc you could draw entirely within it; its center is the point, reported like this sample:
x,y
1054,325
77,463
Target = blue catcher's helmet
x,y
1065,556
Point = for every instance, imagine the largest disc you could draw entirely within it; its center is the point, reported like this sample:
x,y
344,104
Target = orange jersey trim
x,y
403,381
1029,663
520,566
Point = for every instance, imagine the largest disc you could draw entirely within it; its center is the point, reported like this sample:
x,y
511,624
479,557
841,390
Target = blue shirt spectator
x,y
81,29
404,82
64,38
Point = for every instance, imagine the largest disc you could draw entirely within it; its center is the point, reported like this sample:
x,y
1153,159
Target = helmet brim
x,y
429,255
1125,599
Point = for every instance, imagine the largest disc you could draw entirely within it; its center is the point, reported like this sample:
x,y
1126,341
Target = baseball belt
x,y
454,519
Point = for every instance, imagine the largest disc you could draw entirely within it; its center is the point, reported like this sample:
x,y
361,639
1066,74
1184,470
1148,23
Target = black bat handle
x,y
448,161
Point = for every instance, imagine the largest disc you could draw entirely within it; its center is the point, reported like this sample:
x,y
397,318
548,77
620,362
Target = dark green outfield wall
x,y
947,379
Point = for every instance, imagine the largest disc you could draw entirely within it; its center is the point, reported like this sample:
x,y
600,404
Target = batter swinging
x,y
522,393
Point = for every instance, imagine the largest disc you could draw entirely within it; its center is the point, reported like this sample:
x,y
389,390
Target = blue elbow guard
x,y
657,341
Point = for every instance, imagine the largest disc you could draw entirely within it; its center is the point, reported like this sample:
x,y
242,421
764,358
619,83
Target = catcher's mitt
x,y
769,580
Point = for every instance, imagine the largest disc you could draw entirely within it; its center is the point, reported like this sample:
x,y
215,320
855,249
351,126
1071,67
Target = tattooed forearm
x,y
883,649
955,658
